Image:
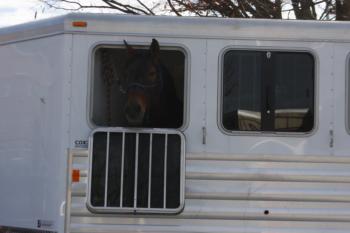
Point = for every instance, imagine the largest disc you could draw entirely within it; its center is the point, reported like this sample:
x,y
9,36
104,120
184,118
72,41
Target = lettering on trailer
x,y
45,223
81,143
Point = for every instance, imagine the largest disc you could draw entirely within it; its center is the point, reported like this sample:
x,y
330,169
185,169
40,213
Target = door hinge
x,y
331,138
204,138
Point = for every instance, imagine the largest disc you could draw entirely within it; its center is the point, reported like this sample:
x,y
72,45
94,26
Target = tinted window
x,y
134,88
268,91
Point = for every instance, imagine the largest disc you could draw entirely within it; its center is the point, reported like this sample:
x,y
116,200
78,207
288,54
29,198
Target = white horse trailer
x,y
263,144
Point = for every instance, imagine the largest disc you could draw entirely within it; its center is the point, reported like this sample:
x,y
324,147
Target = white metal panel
x,y
195,81
267,171
32,30
315,143
256,190
194,27
32,126
226,226
211,27
340,102
278,181
204,72
253,210
267,190
220,205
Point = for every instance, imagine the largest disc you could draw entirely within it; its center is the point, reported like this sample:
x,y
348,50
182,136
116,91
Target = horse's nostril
x,y
133,110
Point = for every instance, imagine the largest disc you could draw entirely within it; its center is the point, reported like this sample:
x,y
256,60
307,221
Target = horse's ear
x,y
155,51
131,50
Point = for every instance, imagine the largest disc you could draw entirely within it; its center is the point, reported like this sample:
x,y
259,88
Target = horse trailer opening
x,y
174,124
119,80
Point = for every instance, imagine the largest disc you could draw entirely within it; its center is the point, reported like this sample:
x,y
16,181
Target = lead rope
x,y
108,79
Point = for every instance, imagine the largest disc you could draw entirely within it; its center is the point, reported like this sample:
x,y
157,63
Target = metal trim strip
x,y
8,229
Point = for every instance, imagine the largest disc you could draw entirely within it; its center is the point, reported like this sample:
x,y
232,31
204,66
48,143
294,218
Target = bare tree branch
x,y
105,4
148,9
173,8
272,9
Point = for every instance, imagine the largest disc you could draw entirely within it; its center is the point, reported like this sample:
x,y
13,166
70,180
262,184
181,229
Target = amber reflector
x,y
81,24
75,175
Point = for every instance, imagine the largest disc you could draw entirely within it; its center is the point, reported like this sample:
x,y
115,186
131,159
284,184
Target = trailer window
x,y
138,86
268,91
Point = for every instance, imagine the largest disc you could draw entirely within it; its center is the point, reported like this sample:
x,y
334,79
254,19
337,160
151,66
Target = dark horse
x,y
150,89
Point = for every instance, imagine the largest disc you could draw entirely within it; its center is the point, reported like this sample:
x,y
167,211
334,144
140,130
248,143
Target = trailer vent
x,y
136,171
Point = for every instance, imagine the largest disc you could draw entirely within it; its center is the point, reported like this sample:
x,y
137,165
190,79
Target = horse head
x,y
150,88
142,82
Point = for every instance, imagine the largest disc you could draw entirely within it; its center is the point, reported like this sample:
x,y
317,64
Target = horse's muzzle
x,y
134,113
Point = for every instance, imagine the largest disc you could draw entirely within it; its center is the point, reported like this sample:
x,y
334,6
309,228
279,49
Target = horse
x,y
150,89
151,102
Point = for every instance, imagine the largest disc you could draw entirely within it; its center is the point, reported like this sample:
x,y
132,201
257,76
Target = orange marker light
x,y
75,175
80,24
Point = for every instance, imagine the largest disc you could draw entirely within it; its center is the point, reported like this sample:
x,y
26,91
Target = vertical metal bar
x,y
150,170
165,169
106,178
122,171
69,190
136,168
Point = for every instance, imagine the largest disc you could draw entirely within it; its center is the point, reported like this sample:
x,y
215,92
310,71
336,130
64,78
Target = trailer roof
x,y
189,27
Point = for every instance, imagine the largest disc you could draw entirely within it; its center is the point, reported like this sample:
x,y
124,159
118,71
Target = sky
x,y
19,11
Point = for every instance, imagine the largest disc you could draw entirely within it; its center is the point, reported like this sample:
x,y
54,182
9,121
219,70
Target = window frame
x,y
138,210
222,54
347,94
144,44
